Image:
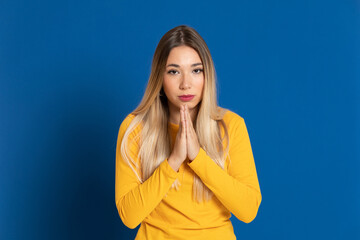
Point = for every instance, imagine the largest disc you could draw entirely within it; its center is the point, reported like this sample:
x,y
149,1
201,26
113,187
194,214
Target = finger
x,y
186,120
186,111
182,120
188,117
181,117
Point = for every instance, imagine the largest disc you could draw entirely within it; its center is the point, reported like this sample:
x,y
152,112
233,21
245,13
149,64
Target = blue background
x,y
70,71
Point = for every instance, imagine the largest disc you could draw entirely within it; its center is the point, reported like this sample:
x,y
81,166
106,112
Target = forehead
x,y
183,55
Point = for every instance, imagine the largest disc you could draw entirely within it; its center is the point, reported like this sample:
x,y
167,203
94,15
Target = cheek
x,y
200,84
167,86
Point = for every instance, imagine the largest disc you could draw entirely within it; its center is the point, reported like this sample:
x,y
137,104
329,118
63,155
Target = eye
x,y
198,70
173,72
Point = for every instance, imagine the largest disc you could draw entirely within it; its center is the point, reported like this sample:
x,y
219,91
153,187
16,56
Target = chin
x,y
191,105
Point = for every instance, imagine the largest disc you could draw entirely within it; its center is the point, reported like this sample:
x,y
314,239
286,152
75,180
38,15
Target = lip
x,y
186,98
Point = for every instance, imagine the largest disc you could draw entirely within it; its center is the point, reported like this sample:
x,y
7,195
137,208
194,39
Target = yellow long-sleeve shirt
x,y
167,213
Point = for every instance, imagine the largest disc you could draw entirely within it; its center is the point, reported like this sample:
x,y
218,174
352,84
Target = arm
x,y
135,200
238,189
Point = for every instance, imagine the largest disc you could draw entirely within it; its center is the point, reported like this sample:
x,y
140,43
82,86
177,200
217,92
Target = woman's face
x,y
183,78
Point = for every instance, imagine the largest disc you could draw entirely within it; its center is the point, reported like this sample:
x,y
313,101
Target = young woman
x,y
183,164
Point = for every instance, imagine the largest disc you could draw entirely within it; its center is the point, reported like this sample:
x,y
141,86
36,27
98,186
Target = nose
x,y
185,82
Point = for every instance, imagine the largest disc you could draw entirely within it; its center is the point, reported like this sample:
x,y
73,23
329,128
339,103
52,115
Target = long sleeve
x,y
135,200
238,187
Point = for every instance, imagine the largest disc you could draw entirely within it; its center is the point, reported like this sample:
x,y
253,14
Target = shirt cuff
x,y
198,160
167,169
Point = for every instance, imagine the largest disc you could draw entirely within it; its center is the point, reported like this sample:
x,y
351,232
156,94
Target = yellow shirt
x,y
167,213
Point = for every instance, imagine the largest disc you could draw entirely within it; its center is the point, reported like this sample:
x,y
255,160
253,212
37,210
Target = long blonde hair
x,y
153,114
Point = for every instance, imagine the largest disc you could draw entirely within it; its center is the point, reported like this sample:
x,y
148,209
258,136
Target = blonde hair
x,y
152,114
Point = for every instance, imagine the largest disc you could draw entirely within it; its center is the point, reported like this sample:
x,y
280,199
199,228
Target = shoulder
x,y
232,119
126,123
235,125
236,128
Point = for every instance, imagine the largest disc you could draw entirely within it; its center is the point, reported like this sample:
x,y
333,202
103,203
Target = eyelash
x,y
172,72
196,71
200,70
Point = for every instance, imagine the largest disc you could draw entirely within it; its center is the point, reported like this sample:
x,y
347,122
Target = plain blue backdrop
x,y
70,72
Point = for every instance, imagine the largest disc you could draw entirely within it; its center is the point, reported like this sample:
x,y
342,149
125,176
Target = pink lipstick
x,y
186,98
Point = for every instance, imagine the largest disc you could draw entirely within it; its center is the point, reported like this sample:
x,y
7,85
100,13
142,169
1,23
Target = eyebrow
x,y
176,65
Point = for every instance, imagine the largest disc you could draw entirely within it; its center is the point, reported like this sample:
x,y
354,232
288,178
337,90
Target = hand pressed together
x,y
186,142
